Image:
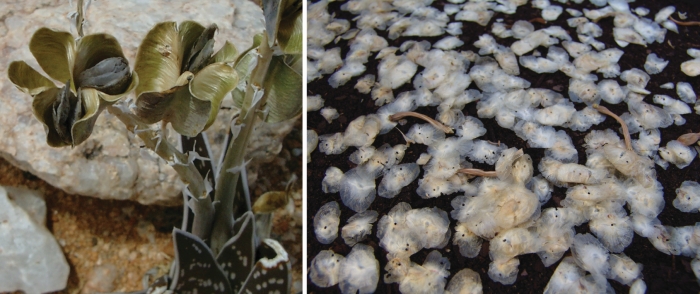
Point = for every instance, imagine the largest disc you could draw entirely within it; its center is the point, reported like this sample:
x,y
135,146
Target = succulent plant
x,y
95,74
239,268
178,79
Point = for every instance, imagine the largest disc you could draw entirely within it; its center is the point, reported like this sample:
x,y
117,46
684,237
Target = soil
x,y
129,239
662,273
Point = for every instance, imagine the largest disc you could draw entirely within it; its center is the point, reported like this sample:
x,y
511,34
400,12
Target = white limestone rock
x,y
111,156
30,201
30,258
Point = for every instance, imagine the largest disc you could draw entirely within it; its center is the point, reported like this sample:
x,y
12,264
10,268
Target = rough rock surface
x,y
110,164
30,258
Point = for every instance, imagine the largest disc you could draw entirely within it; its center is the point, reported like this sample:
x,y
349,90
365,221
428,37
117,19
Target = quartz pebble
x,y
30,258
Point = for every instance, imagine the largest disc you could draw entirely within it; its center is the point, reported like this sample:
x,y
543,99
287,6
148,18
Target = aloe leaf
x,y
202,160
272,272
27,79
55,52
283,87
159,283
237,256
197,271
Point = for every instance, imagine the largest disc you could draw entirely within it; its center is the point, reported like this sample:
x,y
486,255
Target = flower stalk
x,y
230,174
189,174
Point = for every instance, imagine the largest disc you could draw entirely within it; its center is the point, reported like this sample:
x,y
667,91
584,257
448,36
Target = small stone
x,y
101,279
30,258
30,201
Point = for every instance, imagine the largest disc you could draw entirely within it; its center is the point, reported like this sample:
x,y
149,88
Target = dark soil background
x,y
662,273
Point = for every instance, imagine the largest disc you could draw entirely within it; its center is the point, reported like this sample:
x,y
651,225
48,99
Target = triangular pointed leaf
x,y
212,84
283,87
54,51
159,285
237,256
197,271
27,79
271,273
203,161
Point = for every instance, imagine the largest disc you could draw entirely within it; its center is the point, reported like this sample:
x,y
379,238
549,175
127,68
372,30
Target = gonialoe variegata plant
x,y
178,79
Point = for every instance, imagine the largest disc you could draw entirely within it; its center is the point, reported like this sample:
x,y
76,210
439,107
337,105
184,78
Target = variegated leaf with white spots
x,y
160,285
238,254
271,273
197,271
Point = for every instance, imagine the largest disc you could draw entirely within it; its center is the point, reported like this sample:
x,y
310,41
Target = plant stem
x,y
685,23
79,19
202,205
437,124
625,130
227,183
538,20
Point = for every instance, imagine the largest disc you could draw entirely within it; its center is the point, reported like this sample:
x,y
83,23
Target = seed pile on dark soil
x,y
662,273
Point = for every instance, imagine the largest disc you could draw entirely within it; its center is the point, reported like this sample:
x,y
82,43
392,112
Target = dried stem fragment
x,y
625,130
685,23
689,139
538,20
408,141
399,115
477,172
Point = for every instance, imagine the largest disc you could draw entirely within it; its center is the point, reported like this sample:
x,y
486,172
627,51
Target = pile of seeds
x,y
516,147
